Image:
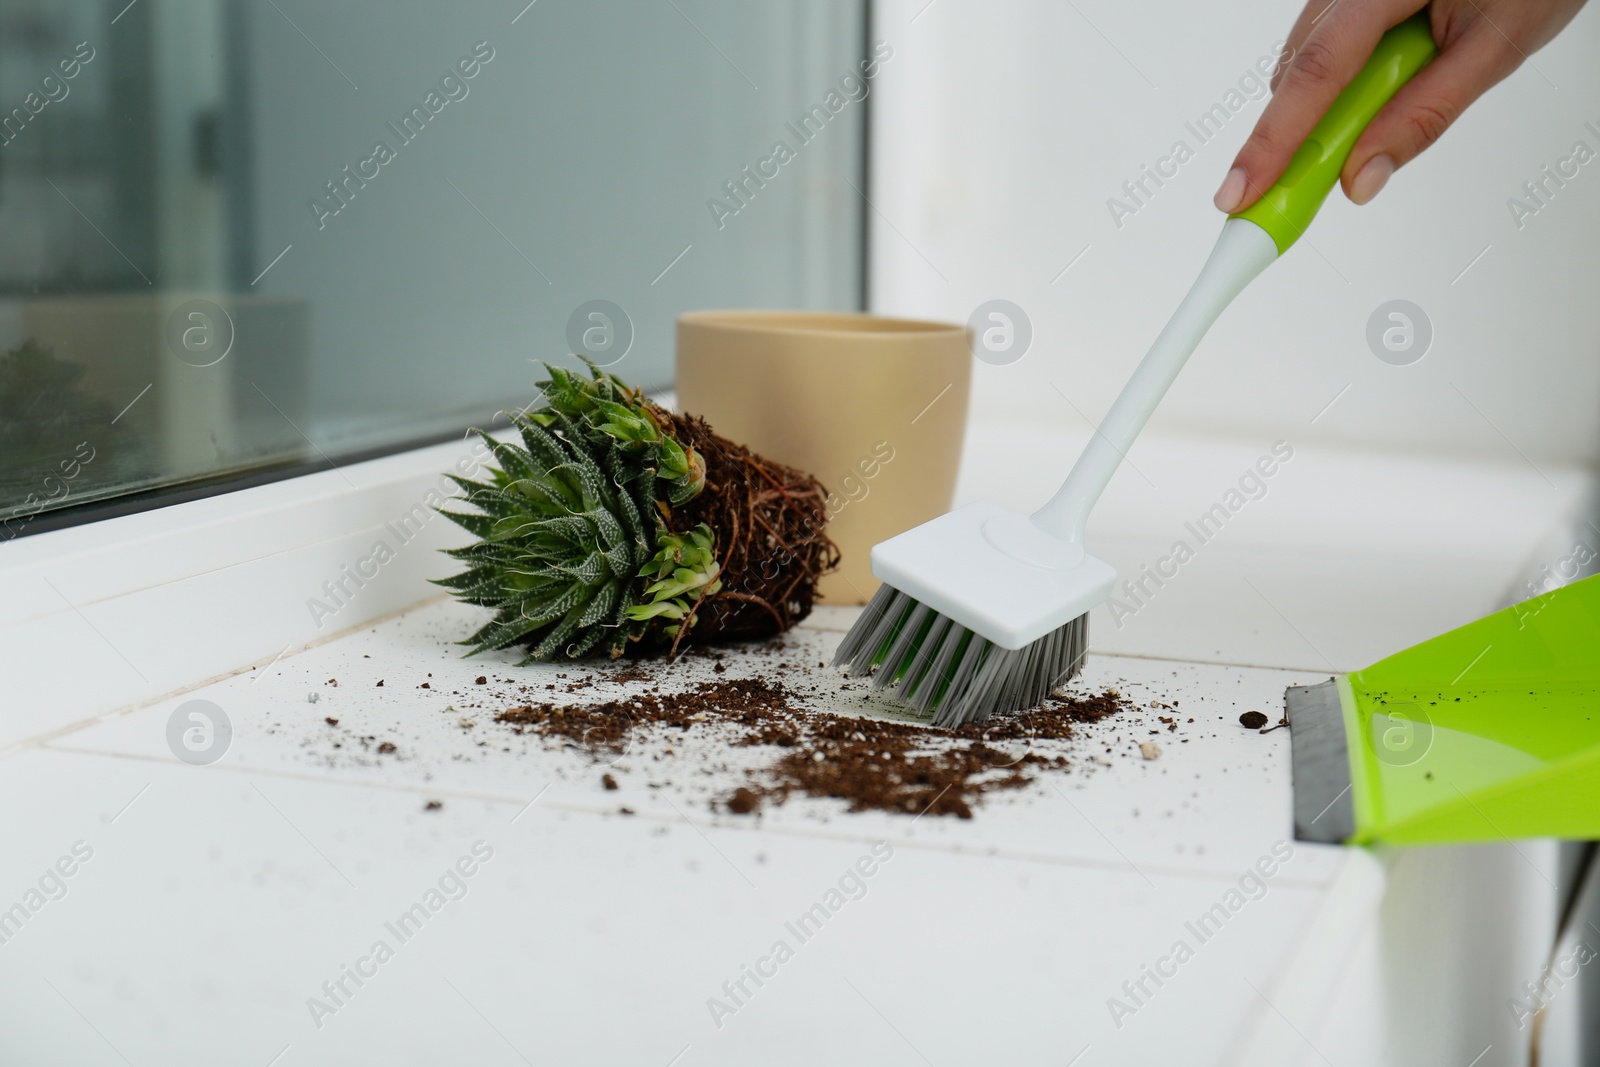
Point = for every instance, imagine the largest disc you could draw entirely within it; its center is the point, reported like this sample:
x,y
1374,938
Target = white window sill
x,y
284,859
289,855
113,614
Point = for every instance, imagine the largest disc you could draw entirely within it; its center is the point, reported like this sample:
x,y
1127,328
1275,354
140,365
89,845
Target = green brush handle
x,y
1286,209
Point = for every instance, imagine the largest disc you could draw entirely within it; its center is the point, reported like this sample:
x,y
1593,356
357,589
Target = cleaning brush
x,y
983,610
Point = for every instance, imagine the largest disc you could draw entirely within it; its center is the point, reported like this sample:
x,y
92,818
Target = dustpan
x,y
1485,733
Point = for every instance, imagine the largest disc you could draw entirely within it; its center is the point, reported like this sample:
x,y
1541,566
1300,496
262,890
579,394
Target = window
x,y
243,238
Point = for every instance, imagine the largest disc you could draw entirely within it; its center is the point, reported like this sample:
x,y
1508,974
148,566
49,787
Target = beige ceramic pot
x,y
876,408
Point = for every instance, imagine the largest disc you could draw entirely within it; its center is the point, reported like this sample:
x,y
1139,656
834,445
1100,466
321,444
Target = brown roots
x,y
769,520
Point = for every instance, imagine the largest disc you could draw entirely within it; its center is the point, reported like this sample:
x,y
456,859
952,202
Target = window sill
x,y
113,621
117,613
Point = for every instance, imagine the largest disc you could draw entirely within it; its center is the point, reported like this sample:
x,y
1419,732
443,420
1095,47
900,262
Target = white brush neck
x,y
1243,251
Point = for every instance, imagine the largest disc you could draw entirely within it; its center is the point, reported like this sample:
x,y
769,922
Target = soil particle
x,y
481,680
380,684
1252,720
331,721
433,805
743,801
609,782
386,748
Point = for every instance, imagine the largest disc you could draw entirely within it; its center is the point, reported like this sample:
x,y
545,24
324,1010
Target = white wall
x,y
1002,128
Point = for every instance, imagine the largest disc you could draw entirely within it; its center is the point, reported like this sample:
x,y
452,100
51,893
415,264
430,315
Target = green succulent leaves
x,y
606,405
685,569
573,553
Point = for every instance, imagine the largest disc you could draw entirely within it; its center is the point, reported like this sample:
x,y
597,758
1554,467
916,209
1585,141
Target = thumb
x,y
1425,107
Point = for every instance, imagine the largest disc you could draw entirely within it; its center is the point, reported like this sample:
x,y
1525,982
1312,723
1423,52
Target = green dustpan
x,y
1488,732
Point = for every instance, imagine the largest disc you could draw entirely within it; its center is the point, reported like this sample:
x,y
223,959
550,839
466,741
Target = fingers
x,y
1335,48
1425,107
1309,17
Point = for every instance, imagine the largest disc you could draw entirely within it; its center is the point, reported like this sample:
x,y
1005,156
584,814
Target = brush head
x,y
980,611
994,572
935,664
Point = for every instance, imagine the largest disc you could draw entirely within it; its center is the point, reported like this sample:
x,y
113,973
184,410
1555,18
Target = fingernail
x,y
1232,191
1371,178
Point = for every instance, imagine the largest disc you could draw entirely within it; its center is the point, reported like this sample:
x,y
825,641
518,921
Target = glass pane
x,y
246,233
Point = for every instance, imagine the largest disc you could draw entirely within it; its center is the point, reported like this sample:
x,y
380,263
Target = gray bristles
x,y
934,664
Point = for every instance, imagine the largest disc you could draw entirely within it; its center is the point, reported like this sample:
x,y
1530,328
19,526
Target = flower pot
x,y
874,407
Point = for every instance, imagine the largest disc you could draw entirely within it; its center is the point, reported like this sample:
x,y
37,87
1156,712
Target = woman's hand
x,y
1480,42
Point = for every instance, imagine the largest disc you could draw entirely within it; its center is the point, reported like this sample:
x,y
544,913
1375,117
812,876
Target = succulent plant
x,y
600,532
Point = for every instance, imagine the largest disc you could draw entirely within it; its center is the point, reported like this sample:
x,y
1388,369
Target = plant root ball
x,y
770,520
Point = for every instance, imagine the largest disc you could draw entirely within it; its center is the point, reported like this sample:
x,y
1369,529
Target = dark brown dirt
x,y
632,672
1252,720
871,764
606,725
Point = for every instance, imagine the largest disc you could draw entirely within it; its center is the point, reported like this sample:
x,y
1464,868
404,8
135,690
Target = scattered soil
x,y
632,672
608,781
386,748
1252,720
433,805
605,726
871,764
331,721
